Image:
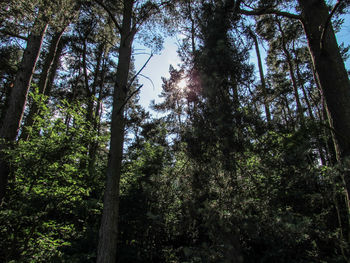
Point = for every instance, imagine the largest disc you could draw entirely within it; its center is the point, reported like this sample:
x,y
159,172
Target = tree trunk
x,y
333,79
49,66
330,72
96,123
262,79
107,247
18,97
288,57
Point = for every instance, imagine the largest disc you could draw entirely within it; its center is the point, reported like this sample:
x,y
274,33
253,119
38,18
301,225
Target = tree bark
x,y
50,64
96,122
333,79
107,246
18,97
330,72
288,57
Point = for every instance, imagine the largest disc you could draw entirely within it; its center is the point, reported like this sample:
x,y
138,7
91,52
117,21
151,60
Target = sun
x,y
182,84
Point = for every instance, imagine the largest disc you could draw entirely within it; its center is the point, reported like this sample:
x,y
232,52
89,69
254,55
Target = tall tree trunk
x,y
18,97
52,57
330,72
96,122
301,83
55,66
262,79
333,79
288,57
107,246
90,97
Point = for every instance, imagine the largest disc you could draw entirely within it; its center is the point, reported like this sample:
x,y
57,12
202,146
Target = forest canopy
x,y
238,162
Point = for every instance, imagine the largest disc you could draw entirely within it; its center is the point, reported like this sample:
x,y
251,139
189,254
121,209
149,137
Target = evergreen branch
x,y
268,11
154,9
323,34
110,14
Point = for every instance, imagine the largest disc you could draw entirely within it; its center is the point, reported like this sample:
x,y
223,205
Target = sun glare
x,y
182,84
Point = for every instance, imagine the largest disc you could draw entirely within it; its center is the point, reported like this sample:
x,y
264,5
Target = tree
x,y
262,77
330,73
11,123
18,98
328,64
134,14
49,67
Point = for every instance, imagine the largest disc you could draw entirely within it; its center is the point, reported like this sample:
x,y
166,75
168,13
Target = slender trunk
x,y
288,57
193,29
54,67
330,72
5,98
262,79
90,100
96,123
308,104
51,58
107,247
49,61
288,114
307,101
301,83
91,91
18,97
322,116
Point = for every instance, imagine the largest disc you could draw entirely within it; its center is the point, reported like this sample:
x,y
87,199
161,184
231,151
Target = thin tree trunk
x,y
308,104
262,79
107,246
18,97
54,67
288,115
288,56
96,123
90,98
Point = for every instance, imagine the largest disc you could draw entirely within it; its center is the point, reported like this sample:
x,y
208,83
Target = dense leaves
x,y
53,203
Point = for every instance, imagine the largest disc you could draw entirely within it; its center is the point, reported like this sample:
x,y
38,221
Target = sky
x,y
158,66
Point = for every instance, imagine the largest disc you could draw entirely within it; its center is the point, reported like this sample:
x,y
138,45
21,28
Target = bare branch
x,y
149,80
138,73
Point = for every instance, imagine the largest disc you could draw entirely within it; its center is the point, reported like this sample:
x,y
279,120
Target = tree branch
x,y
268,11
5,32
110,14
149,80
323,34
138,73
128,98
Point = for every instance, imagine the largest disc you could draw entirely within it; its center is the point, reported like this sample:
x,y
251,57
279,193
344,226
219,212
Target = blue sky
x,y
156,68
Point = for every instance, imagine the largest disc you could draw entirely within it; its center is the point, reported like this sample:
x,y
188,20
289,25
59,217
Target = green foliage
x,y
53,203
